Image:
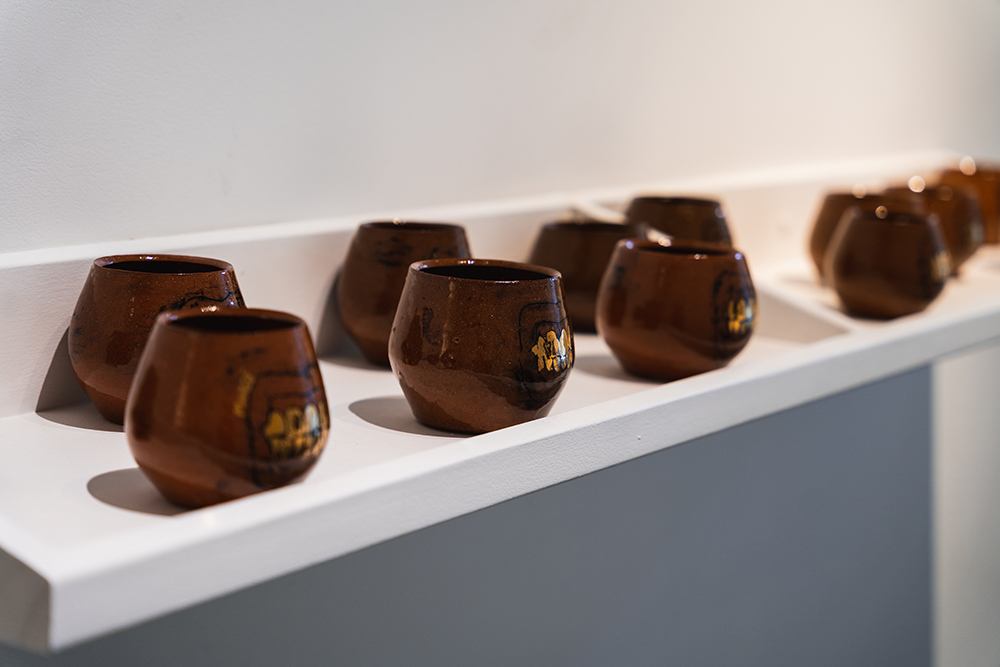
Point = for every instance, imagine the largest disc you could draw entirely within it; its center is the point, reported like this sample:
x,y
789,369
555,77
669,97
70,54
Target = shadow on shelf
x,y
353,361
82,415
62,399
60,387
393,413
333,345
606,367
128,489
332,342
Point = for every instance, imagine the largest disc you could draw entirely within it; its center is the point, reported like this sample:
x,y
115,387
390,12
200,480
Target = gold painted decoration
x,y
243,387
294,431
554,352
741,316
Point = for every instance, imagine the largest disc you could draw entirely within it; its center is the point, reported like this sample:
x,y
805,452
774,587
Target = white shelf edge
x,y
549,452
323,521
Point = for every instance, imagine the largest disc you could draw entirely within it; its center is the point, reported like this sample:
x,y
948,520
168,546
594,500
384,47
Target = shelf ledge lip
x,y
617,431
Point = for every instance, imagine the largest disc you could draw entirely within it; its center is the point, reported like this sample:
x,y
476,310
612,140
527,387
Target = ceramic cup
x,y
832,210
958,214
374,271
680,218
226,404
119,303
671,311
480,344
885,263
580,251
983,182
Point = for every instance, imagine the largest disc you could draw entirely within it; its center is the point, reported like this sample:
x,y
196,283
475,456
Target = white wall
x,y
121,119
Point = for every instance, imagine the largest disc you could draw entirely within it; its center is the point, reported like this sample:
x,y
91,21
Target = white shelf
x,y
96,549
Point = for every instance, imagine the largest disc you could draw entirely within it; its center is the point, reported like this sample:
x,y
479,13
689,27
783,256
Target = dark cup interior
x,y
587,227
405,226
162,266
486,272
690,202
238,324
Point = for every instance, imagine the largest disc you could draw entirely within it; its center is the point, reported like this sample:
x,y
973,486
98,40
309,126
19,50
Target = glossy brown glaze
x,y
680,218
668,312
226,404
958,214
982,182
119,303
374,271
886,264
480,344
580,251
832,210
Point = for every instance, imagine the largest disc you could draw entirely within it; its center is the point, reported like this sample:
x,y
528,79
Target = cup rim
x,y
697,250
586,225
701,201
108,261
400,224
546,274
175,321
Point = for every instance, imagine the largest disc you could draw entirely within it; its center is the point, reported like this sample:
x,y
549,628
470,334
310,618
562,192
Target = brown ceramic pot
x,y
983,182
226,404
580,251
886,264
119,303
480,344
680,218
832,210
958,214
671,311
374,271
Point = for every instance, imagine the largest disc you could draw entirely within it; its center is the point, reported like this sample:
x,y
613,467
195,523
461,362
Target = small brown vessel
x,y
480,344
983,182
120,300
836,204
886,264
580,251
958,214
671,311
226,403
680,218
374,271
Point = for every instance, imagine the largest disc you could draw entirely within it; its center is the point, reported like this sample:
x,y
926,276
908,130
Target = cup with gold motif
x,y
225,404
672,311
480,344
